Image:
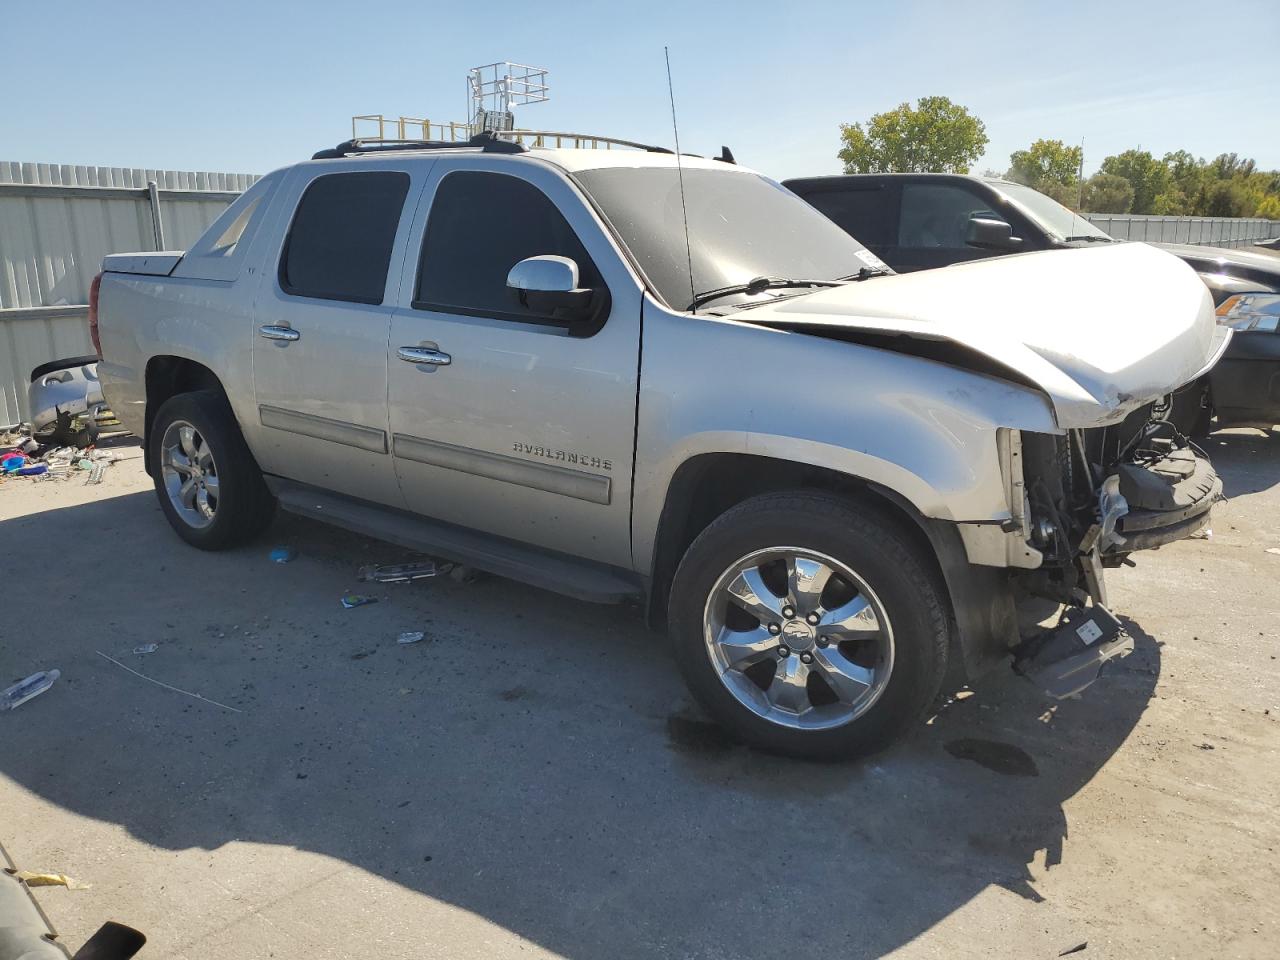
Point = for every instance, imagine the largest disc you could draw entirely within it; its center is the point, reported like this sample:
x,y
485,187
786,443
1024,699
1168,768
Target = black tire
x,y
245,505
867,542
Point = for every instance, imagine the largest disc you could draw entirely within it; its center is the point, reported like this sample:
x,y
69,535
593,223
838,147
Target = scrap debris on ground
x,y
23,456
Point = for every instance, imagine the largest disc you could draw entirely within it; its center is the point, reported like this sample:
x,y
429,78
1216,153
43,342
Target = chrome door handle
x,y
273,332
424,355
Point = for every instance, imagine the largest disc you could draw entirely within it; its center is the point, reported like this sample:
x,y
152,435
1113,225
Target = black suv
x,y
918,221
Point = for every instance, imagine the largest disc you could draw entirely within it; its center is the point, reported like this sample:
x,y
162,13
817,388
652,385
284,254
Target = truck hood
x,y
1101,331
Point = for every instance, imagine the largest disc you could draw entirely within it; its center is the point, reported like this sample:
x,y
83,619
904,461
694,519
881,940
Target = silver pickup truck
x,y
618,376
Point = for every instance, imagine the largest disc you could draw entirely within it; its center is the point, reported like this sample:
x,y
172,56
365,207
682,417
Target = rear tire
x,y
207,481
876,631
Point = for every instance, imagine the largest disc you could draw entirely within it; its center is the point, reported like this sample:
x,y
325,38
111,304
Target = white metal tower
x,y
496,89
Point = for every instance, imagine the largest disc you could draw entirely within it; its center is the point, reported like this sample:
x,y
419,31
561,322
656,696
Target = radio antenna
x,y
684,210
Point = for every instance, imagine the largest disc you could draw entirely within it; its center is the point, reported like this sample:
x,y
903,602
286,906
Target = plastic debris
x,y
1275,550
351,600
24,690
411,637
283,554
24,460
1205,534
146,648
49,880
403,572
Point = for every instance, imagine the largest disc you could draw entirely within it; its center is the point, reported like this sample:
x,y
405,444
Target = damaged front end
x,y
1104,335
1093,497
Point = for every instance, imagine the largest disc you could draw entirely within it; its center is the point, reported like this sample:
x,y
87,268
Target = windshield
x,y
741,226
1059,222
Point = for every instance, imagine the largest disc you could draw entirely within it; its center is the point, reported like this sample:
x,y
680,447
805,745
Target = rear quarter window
x,y
220,252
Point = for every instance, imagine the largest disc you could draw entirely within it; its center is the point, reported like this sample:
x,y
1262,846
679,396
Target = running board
x,y
1067,659
570,576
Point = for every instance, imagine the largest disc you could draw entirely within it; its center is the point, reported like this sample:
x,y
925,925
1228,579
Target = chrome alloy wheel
x,y
190,474
798,638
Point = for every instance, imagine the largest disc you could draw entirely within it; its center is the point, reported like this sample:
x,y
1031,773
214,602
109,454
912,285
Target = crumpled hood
x,y
1100,330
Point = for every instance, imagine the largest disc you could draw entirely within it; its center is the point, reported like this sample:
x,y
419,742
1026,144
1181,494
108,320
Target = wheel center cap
x,y
798,634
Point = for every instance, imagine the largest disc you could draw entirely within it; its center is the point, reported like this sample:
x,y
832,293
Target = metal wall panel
x,y
1202,231
57,222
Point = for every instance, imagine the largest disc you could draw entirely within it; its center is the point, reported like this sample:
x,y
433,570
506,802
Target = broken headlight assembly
x,y
1250,311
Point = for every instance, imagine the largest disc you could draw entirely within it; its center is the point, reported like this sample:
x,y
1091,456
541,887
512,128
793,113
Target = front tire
x,y
809,626
208,484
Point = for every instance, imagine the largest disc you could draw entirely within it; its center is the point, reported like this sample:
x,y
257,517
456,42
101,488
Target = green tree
x,y
1191,178
1148,176
1269,208
1228,165
1044,162
1172,203
1067,194
1107,193
935,136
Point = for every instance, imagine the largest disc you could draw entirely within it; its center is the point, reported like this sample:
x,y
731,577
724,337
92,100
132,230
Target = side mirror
x,y
988,234
549,285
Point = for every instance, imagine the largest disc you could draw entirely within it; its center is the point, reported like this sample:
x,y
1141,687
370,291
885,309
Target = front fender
x,y
925,430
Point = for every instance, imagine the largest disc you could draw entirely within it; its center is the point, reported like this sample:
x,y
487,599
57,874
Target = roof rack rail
x,y
486,141
540,138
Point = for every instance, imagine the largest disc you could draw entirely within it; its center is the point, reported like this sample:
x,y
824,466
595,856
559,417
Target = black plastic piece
x,y
53,366
726,156
113,941
487,141
1065,660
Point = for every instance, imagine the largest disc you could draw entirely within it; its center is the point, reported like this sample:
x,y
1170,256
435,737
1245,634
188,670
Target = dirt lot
x,y
530,780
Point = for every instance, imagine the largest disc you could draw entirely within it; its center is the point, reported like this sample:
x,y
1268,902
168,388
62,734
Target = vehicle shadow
x,y
533,761
1247,459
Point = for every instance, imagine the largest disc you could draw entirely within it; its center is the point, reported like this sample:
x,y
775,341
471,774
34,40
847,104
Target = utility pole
x,y
1080,179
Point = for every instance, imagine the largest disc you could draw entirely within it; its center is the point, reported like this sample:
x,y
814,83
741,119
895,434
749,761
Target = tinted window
x,y
863,213
339,246
937,215
482,225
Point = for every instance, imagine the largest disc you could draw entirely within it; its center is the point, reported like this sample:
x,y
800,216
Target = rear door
x,y
321,323
527,430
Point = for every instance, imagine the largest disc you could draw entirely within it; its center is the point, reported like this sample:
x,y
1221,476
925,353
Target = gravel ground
x,y
530,780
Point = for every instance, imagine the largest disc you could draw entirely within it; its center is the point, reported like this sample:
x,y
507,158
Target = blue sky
x,y
246,87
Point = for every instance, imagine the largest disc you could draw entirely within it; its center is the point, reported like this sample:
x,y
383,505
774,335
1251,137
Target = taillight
x,y
93,313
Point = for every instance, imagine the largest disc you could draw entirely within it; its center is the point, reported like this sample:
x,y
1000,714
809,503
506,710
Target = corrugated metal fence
x,y
56,225
1202,231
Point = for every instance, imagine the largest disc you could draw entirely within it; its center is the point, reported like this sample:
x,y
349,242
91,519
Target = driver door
x,y
519,426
